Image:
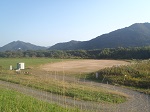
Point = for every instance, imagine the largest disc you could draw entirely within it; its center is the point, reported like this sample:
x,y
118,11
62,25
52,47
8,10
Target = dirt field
x,y
81,66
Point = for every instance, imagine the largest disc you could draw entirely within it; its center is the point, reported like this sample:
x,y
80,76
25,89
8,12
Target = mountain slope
x,y
16,45
135,35
65,45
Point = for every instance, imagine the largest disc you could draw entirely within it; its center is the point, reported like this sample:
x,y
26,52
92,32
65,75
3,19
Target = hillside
x,y
65,45
19,45
135,35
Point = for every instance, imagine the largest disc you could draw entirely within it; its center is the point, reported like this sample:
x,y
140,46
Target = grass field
x,y
12,101
29,62
41,79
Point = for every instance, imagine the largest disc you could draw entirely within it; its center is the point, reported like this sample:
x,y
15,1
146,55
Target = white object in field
x,y
96,75
20,66
10,67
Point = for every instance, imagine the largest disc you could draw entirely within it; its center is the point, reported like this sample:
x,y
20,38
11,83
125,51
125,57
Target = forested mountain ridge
x,y
19,45
65,45
135,35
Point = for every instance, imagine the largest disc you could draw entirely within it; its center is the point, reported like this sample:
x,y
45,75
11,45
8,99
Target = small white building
x,y
20,66
10,68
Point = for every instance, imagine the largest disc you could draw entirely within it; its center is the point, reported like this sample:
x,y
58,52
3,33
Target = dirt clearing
x,y
81,66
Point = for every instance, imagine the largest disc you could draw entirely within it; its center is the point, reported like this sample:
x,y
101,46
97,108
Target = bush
x,y
134,75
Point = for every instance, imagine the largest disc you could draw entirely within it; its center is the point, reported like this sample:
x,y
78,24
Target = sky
x,y
47,22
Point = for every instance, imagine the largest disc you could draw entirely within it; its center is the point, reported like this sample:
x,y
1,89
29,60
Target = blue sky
x,y
47,22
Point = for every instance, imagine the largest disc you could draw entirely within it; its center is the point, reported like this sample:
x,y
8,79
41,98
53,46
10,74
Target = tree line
x,y
107,53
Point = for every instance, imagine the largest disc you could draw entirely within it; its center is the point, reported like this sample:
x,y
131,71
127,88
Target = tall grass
x,y
135,75
12,101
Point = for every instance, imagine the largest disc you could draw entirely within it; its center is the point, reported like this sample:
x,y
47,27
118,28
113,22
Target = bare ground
x,y
81,66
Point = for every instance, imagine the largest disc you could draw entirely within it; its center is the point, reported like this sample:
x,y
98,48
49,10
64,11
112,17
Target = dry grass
x,y
81,66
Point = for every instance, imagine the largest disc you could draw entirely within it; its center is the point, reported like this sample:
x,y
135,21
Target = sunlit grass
x,y
135,75
29,62
12,101
39,79
71,89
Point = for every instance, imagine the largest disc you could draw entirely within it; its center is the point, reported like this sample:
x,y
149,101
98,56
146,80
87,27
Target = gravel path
x,y
138,102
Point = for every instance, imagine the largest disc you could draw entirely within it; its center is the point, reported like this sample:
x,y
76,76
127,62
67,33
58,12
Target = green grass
x,y
29,62
135,75
71,89
12,101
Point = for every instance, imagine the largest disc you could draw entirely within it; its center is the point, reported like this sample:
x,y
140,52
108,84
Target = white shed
x,y
10,67
20,66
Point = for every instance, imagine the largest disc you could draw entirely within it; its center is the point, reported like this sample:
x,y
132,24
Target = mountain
x,y
65,45
135,35
19,45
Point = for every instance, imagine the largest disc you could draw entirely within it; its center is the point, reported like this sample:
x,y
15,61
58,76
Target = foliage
x,y
126,53
107,53
135,75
